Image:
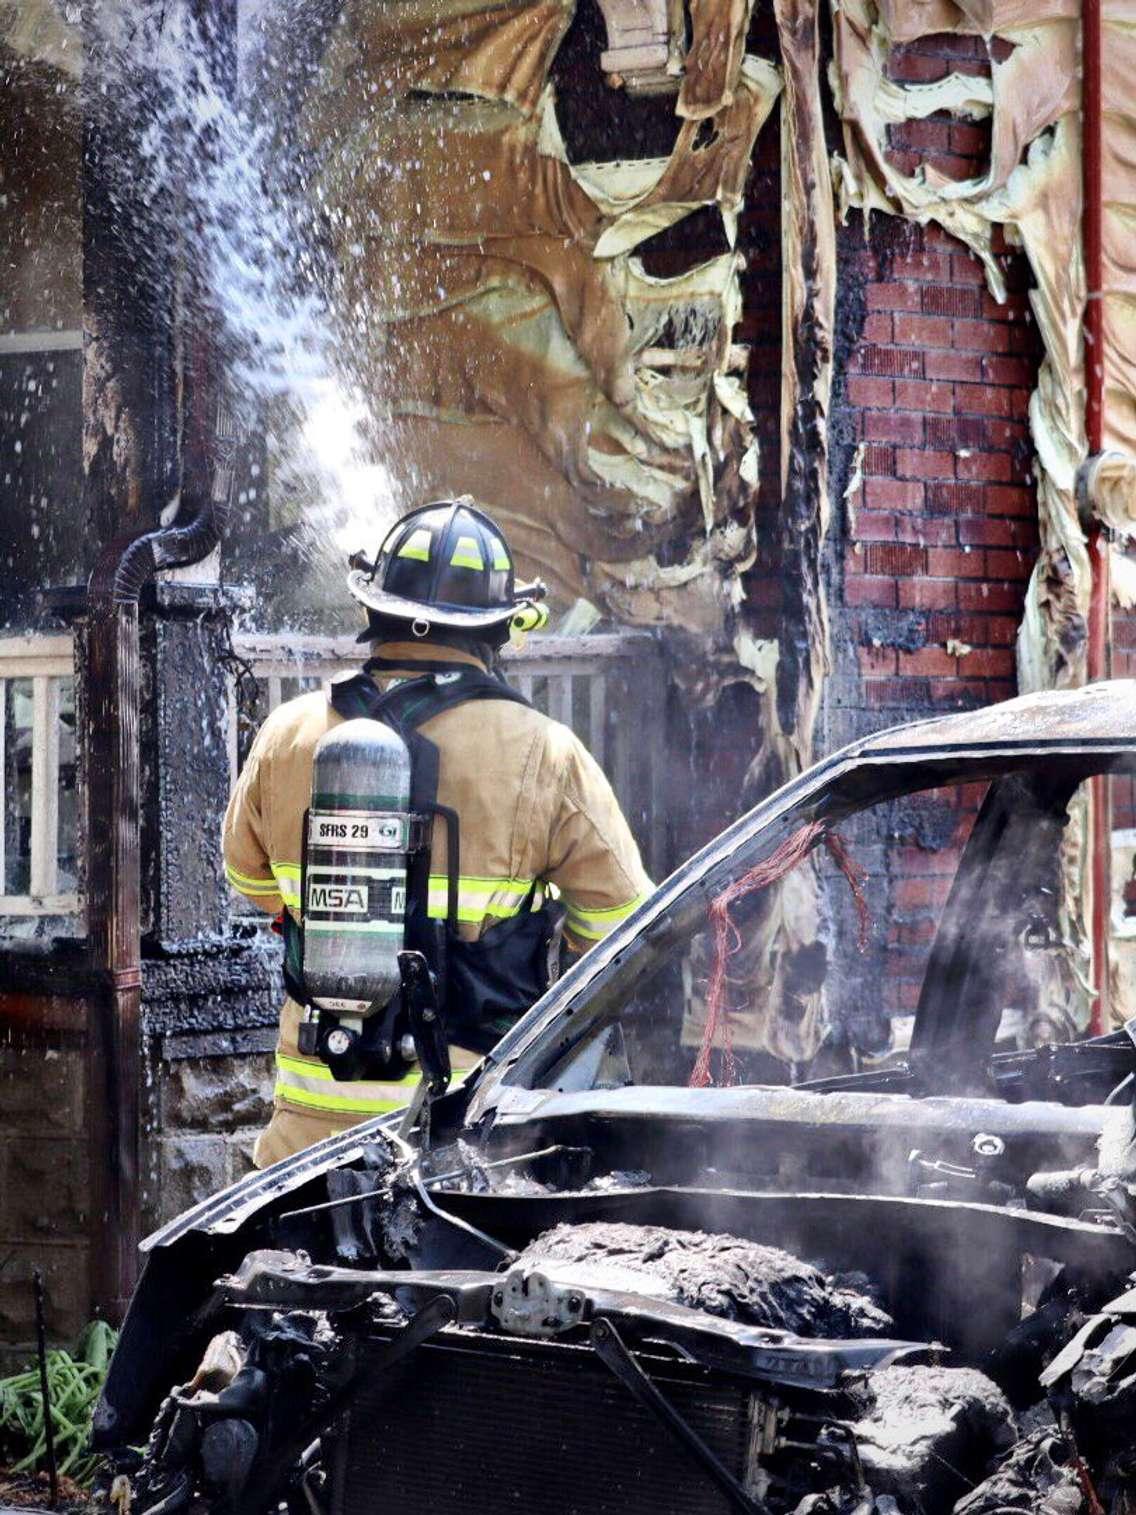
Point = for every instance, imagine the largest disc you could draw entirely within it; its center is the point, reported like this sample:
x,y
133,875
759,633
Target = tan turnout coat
x,y
534,805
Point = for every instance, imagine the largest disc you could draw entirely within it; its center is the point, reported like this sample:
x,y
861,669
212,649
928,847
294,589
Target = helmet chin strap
x,y
360,561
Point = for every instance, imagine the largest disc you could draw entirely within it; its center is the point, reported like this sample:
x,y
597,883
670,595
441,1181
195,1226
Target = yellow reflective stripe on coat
x,y
287,882
478,898
594,925
481,898
313,1086
250,886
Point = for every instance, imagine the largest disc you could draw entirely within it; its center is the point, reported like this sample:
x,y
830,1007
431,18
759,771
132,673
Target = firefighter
x,y
538,819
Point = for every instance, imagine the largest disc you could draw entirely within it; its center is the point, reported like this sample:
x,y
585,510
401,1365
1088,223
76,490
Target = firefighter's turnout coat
x,y
534,807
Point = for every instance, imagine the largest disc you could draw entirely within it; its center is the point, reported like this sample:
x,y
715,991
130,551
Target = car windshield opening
x,y
952,900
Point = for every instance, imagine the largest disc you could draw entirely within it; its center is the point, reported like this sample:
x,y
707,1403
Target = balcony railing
x,y
607,688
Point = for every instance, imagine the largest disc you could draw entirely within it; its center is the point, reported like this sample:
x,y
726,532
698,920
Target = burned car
x,y
579,1283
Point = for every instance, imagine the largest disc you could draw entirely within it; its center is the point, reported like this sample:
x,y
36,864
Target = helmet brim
x,y
455,617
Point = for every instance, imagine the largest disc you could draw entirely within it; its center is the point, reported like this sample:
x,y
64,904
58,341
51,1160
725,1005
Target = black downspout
x,y
114,879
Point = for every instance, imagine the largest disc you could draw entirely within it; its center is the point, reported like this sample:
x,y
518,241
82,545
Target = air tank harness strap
x,y
414,701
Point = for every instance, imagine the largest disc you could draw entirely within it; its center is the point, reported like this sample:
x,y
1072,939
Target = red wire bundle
x,y
792,851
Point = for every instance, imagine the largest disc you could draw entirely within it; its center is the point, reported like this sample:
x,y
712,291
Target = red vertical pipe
x,y
1100,600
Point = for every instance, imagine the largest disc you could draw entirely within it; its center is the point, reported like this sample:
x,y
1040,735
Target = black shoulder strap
x,y
413,702
353,695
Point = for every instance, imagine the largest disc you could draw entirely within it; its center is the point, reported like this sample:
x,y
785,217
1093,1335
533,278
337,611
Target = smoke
x,y
216,167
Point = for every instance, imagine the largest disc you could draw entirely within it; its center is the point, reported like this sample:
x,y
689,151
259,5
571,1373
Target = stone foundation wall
x,y
44,1188
211,1016
210,1110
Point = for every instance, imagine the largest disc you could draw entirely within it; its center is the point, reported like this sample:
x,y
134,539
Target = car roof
x,y
1093,715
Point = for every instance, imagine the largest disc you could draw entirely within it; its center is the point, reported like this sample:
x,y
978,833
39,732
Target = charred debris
x,y
553,1330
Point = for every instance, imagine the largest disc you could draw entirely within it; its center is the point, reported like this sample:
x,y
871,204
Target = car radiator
x,y
477,1424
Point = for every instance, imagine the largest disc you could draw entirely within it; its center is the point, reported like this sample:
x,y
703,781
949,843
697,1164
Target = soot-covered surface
x,y
723,1275
1037,1476
932,1434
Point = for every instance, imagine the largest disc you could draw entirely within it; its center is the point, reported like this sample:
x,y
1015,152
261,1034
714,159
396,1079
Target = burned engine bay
x,y
629,1329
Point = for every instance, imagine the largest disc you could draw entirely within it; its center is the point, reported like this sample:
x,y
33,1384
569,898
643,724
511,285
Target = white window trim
x,y
17,342
45,660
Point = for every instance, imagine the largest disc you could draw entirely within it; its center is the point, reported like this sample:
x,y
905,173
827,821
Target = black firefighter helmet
x,y
446,564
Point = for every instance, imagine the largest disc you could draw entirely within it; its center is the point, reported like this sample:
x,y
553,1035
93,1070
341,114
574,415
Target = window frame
x,y
45,658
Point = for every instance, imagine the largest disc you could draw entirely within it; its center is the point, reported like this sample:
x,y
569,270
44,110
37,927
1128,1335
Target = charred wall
x,y
92,439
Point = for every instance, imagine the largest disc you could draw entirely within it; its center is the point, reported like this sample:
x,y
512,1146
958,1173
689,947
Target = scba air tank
x,y
355,867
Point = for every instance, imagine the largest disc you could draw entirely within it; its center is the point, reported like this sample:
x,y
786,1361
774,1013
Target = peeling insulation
x,y
1118,71
808,303
775,982
514,344
1033,189
782,961
42,31
645,41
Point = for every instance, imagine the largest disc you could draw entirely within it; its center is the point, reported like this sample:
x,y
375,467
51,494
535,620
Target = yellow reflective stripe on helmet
x,y
467,554
247,885
479,897
417,546
501,563
594,925
288,882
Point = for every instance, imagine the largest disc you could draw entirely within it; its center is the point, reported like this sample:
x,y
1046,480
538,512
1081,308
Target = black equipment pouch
x,y
493,981
293,958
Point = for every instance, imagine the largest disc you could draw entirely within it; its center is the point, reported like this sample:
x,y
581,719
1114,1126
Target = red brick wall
x,y
933,552
945,521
